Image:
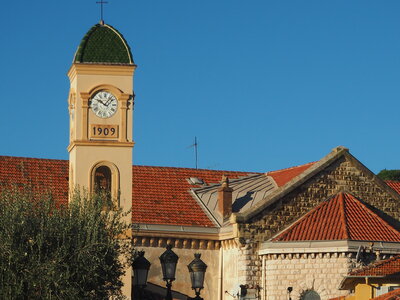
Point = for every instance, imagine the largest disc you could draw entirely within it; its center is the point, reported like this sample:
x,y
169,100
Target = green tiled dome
x,y
103,44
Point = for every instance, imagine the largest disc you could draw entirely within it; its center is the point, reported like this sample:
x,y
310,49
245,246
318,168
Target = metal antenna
x,y
195,149
195,145
101,2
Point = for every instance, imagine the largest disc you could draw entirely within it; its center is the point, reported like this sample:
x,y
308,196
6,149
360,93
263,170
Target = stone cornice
x,y
225,237
183,243
100,143
325,247
100,69
211,233
180,243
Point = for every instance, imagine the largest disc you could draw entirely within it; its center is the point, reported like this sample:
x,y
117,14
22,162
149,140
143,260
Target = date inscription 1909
x,y
104,131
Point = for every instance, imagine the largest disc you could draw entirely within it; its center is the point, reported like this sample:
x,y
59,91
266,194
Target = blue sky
x,y
263,84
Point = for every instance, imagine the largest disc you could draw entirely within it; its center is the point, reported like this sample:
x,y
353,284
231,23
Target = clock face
x,y
104,104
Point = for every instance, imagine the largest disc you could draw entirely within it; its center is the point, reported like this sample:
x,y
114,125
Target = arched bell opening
x,y
105,182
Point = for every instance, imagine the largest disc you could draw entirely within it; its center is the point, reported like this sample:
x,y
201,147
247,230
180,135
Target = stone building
x,y
287,233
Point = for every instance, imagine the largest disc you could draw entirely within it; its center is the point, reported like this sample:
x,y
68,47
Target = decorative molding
x,y
71,99
184,243
100,69
332,247
320,255
85,107
100,143
179,243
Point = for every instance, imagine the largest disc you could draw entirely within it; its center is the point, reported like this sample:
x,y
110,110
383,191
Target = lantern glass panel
x,y
169,269
197,278
140,277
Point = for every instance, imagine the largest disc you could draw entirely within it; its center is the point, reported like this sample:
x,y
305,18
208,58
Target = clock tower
x,y
101,111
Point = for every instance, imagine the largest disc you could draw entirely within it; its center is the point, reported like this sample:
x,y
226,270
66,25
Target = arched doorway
x,y
310,295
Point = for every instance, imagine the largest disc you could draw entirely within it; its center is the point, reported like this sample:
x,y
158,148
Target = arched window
x,y
102,181
105,181
310,295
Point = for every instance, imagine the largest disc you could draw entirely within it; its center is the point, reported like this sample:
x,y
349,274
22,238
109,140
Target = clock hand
x,y
98,100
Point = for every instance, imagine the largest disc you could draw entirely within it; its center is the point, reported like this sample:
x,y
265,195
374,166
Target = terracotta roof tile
x,y
160,194
166,191
44,174
394,185
385,267
283,176
342,217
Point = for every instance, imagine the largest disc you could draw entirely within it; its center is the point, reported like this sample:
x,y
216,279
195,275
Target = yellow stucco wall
x,y
87,152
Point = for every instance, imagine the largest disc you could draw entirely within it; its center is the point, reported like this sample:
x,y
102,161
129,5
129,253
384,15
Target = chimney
x,y
225,198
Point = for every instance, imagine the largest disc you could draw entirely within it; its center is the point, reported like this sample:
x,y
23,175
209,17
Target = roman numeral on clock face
x,y
104,104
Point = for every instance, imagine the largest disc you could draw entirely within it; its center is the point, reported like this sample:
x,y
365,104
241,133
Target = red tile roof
x,y
392,295
283,176
160,194
166,191
342,217
394,185
385,267
43,174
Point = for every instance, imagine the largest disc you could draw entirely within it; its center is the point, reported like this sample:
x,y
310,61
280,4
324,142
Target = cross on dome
x,y
101,2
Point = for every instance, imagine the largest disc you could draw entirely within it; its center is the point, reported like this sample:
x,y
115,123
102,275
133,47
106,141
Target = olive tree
x,y
50,251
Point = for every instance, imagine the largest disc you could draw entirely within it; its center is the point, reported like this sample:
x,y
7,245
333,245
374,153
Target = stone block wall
x,y
341,175
321,272
249,264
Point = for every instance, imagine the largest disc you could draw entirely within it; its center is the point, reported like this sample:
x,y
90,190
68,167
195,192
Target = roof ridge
x,y
337,225
372,213
213,185
194,169
294,182
345,228
33,158
285,232
290,168
124,42
246,173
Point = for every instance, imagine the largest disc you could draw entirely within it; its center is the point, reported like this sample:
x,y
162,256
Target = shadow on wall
x,y
157,292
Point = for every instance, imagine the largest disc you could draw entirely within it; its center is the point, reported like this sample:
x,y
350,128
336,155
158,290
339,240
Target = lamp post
x,y
197,269
140,266
168,262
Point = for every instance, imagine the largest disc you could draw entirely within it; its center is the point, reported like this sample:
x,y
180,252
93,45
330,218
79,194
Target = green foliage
x,y
389,175
51,252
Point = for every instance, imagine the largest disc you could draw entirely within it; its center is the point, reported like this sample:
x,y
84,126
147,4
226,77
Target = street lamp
x,y
197,269
140,266
168,262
